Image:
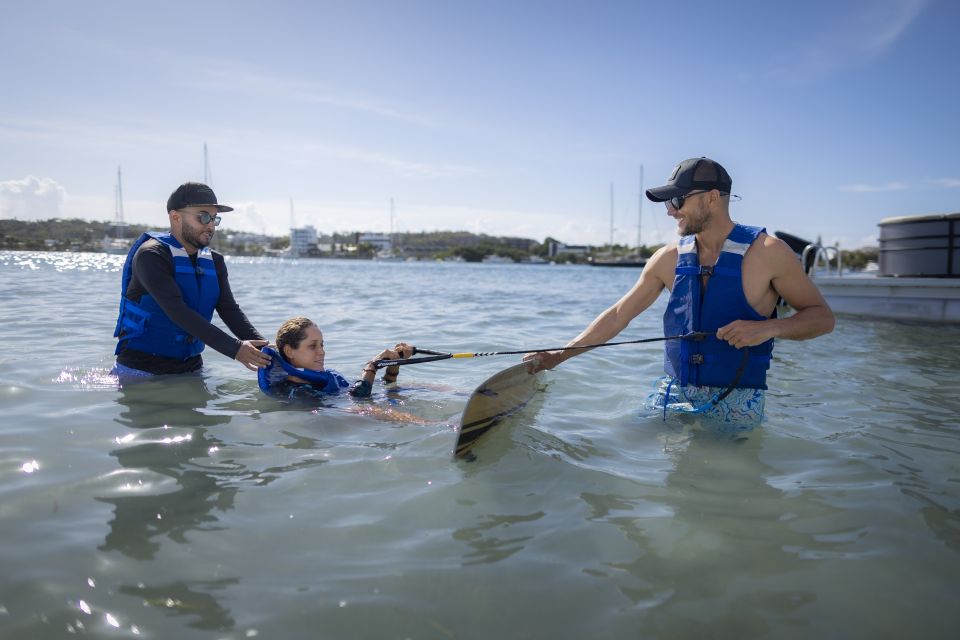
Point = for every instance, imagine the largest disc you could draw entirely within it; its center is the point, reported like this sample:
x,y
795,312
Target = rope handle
x,y
434,356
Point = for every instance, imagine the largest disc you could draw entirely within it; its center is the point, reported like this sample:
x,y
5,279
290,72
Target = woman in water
x,y
297,366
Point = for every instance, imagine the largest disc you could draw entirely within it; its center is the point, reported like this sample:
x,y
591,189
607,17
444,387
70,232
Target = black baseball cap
x,y
693,174
194,194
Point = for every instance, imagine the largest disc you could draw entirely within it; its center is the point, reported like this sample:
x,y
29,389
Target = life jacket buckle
x,y
696,358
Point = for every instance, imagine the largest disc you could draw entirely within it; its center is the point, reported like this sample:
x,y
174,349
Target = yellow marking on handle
x,y
461,355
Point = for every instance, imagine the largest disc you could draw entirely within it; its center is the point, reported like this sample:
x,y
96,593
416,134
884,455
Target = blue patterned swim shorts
x,y
742,408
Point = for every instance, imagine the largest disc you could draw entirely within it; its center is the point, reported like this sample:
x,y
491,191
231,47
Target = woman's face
x,y
309,354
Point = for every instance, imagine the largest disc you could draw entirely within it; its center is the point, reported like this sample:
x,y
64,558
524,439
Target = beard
x,y
198,238
694,222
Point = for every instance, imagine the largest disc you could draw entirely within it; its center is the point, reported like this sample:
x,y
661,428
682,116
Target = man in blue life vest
x,y
724,281
172,283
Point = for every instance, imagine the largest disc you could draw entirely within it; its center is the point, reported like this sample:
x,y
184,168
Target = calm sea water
x,y
194,507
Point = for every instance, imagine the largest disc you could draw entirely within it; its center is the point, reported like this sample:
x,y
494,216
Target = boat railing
x,y
825,256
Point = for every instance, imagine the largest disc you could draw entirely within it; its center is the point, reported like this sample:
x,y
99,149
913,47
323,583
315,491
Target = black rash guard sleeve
x,y
153,274
228,309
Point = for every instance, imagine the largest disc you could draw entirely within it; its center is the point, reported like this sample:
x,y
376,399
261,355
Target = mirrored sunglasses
x,y
207,218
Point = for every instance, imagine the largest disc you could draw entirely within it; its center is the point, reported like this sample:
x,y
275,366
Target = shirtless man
x,y
724,279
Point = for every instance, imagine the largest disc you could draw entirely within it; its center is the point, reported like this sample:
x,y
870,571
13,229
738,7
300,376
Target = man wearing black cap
x,y
172,283
724,281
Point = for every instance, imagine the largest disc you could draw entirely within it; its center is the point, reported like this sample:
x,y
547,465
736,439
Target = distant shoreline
x,y
84,236
77,235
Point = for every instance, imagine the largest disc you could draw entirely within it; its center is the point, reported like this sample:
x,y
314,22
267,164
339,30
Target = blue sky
x,y
509,118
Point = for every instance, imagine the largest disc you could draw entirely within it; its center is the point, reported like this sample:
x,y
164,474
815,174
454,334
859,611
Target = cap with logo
x,y
693,174
194,194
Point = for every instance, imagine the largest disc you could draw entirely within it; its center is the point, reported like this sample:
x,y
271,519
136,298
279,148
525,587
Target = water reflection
x,y
171,419
170,416
194,601
188,479
185,400
488,548
485,546
727,553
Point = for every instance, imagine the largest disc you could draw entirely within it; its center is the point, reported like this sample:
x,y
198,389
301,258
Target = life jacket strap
x,y
718,397
726,271
130,322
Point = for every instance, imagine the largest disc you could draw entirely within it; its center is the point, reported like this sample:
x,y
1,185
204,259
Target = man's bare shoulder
x,y
666,252
773,250
770,244
771,258
663,264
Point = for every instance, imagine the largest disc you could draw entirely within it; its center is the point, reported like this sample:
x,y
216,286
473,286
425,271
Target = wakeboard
x,y
500,396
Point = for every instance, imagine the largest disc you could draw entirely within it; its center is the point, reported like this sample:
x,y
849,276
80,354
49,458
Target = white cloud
x,y
210,73
870,188
137,134
856,38
31,198
232,78
247,217
884,23
403,166
946,183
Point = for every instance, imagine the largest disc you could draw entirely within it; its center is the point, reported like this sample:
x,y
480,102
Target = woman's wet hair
x,y
292,332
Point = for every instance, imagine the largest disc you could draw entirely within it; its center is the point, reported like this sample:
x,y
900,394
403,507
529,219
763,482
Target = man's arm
x,y
248,350
227,307
613,320
813,316
152,267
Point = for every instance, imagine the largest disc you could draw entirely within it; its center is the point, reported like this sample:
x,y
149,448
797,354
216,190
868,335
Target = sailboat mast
x,y
206,166
119,196
611,217
640,211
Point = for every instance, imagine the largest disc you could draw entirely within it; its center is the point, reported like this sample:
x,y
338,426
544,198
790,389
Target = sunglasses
x,y
207,218
677,202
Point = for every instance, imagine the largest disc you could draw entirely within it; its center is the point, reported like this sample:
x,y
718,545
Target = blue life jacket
x,y
713,362
144,326
326,381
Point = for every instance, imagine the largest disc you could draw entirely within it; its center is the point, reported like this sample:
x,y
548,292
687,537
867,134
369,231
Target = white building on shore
x,y
379,240
557,248
303,241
